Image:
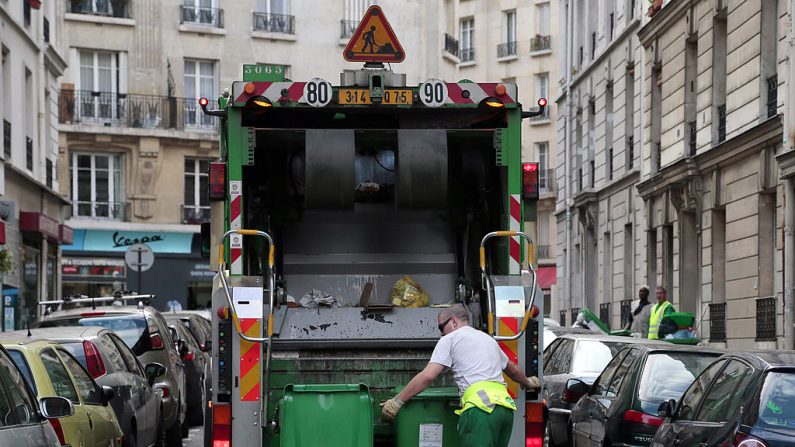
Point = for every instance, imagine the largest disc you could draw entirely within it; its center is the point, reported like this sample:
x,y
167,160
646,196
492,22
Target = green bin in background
x,y
326,416
428,419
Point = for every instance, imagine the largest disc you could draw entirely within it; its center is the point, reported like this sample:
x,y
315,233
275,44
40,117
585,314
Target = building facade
x,y
514,41
708,202
135,147
31,207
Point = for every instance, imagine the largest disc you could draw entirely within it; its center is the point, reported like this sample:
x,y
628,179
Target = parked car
x,y
621,407
111,363
144,330
197,367
199,328
743,399
575,356
50,370
553,332
26,422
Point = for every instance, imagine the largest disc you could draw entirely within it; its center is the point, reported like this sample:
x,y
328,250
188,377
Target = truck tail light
x,y
217,180
222,425
94,363
530,180
534,424
56,425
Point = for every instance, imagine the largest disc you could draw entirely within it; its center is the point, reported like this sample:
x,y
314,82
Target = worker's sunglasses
x,y
442,325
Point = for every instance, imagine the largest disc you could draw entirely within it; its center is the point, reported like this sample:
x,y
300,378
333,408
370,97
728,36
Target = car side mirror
x,y
154,370
667,409
109,393
575,389
56,407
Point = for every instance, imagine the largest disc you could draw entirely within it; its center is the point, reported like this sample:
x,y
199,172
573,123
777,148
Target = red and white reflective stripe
x,y
271,90
477,92
235,218
516,243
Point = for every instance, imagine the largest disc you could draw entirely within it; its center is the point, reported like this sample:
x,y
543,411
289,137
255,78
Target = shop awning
x,y
547,276
121,240
39,223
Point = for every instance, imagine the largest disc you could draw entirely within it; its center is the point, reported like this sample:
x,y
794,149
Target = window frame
x,y
618,358
742,391
66,358
114,159
509,25
136,367
467,29
197,174
71,382
27,396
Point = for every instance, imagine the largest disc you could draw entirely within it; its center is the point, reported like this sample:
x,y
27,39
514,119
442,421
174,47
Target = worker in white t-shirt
x,y
477,363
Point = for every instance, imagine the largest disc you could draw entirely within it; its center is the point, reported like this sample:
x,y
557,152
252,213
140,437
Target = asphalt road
x,y
195,438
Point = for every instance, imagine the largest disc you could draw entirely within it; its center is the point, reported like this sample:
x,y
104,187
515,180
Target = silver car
x,y
22,419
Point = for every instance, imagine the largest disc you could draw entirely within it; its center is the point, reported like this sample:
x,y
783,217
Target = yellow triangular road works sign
x,y
374,40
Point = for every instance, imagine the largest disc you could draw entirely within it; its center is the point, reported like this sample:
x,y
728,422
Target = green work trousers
x,y
476,428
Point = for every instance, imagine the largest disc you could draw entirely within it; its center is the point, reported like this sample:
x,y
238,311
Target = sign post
x,y
139,257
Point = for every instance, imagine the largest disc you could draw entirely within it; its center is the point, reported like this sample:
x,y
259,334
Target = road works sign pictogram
x,y
374,40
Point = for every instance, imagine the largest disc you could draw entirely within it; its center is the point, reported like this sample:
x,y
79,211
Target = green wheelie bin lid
x,y
326,416
428,419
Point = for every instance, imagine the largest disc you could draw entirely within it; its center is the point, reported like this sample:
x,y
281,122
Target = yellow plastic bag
x,y
407,293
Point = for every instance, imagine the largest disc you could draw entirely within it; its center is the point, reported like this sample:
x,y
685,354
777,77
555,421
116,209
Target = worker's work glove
x,y
533,384
390,408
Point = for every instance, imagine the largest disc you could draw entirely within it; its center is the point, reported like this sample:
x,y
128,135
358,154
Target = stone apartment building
x,y
708,203
515,41
32,210
134,145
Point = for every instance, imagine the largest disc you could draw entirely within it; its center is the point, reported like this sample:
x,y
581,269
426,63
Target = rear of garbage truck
x,y
343,218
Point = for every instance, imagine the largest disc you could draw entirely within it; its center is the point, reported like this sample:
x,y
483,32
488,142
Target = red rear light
x,y
530,180
639,417
534,434
744,440
203,102
222,425
94,363
157,342
56,425
542,102
189,356
217,180
92,314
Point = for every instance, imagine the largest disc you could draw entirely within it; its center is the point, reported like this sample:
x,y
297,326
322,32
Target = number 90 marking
x,y
317,92
433,93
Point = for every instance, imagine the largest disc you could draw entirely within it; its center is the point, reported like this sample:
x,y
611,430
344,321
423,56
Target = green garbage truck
x,y
329,204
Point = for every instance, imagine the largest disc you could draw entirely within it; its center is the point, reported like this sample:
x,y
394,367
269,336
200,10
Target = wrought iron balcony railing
x,y
111,109
506,49
110,8
451,44
626,311
194,214
102,210
604,313
274,23
199,15
347,28
717,322
540,43
467,54
766,319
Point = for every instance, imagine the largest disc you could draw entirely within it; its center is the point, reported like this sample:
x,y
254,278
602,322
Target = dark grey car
x,y
197,366
144,330
575,356
111,363
22,420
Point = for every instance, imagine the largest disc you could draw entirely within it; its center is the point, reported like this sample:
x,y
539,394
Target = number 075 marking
x,y
433,93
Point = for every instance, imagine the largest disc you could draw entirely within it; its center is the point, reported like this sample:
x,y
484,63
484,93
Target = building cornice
x,y
786,165
54,61
721,155
673,10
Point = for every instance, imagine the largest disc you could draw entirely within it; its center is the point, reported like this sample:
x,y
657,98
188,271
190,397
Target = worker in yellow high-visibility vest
x,y
662,308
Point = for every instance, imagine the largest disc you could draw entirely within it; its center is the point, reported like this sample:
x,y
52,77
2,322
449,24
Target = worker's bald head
x,y
457,311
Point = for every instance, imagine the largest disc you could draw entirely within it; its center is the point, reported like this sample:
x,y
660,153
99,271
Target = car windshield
x,y
667,375
132,328
591,356
776,411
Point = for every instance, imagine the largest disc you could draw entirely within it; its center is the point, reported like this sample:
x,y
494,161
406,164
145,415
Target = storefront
x,y
94,266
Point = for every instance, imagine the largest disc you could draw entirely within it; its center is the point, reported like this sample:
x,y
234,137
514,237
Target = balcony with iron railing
x,y
450,44
604,313
766,319
467,55
543,252
110,109
546,181
347,28
506,49
772,95
274,23
717,322
200,15
108,8
194,214
119,211
626,312
540,43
